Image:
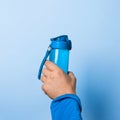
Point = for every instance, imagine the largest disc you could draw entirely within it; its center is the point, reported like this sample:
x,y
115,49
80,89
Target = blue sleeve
x,y
66,107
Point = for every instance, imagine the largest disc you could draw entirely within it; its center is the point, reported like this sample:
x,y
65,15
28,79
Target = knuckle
x,y
47,63
44,71
42,78
44,87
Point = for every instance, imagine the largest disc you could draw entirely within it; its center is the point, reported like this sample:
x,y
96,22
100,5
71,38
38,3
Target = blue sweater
x,y
66,107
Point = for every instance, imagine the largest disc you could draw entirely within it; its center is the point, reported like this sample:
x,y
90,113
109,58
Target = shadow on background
x,y
99,89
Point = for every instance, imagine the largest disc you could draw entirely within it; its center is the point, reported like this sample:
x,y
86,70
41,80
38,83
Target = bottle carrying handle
x,y
43,61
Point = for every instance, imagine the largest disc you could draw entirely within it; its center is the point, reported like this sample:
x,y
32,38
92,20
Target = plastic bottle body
x,y
58,53
61,58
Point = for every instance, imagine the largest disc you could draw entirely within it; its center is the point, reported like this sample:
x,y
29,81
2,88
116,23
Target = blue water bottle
x,y
58,52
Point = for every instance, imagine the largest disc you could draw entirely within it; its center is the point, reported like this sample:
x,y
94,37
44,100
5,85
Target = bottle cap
x,y
61,42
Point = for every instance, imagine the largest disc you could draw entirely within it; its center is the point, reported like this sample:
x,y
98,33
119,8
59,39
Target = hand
x,y
56,82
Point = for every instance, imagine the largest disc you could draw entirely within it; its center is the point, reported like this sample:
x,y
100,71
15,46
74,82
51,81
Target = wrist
x,y
65,92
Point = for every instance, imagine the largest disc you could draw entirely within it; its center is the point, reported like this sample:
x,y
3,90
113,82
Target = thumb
x,y
72,76
73,80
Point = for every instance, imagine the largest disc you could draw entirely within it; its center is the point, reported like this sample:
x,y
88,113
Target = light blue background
x,y
25,29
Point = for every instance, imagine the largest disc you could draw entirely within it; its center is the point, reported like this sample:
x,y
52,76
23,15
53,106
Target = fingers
x,y
46,72
51,66
43,78
45,75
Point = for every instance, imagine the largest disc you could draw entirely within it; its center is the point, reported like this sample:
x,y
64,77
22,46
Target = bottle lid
x,y
61,42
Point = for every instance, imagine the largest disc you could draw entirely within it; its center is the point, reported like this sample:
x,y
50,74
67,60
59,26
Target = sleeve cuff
x,y
67,96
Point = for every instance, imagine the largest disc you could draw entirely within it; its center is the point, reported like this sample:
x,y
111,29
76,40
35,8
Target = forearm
x,y
66,107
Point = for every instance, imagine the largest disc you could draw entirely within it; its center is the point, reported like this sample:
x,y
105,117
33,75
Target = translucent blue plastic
x,y
58,52
61,58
